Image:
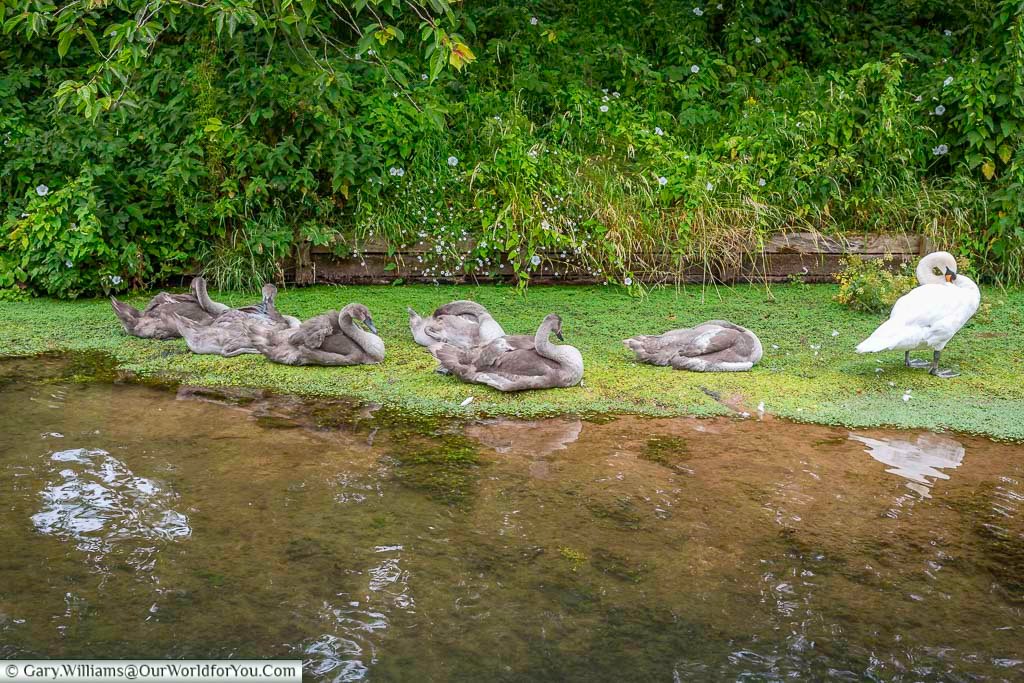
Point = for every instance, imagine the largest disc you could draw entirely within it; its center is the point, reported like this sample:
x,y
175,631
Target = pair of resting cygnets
x,y
210,327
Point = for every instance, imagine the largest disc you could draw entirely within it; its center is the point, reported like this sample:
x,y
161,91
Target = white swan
x,y
928,316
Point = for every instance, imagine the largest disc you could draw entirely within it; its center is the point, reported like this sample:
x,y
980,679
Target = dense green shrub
x,y
557,136
873,285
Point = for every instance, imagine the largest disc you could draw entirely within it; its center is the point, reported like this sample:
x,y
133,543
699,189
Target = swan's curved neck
x,y
926,271
561,354
209,305
370,343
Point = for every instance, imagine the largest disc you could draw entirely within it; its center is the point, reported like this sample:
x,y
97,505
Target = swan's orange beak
x,y
950,275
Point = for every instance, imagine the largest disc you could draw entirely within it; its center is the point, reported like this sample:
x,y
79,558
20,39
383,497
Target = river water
x,y
148,522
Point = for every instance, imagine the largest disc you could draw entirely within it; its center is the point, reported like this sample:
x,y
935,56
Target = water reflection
x,y
532,439
917,460
98,501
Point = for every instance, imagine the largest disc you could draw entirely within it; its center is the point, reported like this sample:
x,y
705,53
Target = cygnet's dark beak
x,y
950,275
369,324
558,333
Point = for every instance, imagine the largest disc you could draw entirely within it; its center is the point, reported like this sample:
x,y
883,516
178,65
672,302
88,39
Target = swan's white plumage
x,y
928,316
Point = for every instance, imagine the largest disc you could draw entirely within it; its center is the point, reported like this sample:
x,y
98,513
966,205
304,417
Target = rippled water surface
x,y
143,522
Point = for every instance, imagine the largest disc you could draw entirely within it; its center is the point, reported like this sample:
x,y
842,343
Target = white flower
x,y
627,281
534,21
604,108
401,172
906,397
947,33
698,11
115,280
532,153
535,260
423,77
371,52
760,182
940,150
940,110
604,99
835,333
948,81
42,190
393,171
453,161
663,181
694,69
757,40
709,187
718,6
658,131
918,98
545,225
616,95
68,263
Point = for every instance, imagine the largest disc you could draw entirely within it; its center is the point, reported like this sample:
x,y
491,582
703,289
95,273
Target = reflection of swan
x,y
533,438
916,461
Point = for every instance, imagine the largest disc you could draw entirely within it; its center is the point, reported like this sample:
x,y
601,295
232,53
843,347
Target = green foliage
x,y
226,135
873,285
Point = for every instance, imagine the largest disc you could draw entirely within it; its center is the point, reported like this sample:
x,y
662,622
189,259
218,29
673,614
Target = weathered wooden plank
x,y
804,255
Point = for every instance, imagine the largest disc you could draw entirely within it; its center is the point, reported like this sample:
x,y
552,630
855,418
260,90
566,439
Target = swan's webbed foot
x,y
914,362
938,372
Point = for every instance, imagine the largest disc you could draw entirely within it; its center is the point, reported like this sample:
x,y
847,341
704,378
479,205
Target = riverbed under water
x,y
148,522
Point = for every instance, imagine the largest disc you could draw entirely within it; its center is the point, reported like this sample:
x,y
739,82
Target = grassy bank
x,y
809,372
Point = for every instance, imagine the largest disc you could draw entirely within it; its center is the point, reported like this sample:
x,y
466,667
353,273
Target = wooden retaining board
x,y
804,255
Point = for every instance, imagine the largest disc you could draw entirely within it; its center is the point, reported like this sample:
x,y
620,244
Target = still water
x,y
151,523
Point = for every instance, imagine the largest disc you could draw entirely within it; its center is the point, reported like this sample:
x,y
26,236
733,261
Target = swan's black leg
x,y
911,363
944,374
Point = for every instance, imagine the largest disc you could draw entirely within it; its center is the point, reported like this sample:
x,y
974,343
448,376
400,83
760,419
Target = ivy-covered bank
x,y
809,371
